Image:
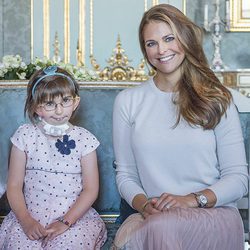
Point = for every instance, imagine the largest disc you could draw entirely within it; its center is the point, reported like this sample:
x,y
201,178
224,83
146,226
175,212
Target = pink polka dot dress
x,y
53,181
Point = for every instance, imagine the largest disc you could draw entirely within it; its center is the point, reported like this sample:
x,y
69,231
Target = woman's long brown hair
x,y
201,100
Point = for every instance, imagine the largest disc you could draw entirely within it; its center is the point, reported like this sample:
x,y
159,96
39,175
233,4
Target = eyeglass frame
x,y
61,103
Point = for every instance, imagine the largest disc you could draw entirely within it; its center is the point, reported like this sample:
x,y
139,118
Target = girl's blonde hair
x,y
47,89
201,98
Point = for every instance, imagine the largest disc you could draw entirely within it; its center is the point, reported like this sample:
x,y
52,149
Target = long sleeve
x,y
127,177
233,182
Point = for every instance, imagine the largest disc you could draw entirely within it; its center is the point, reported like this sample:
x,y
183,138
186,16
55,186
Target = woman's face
x,y
162,48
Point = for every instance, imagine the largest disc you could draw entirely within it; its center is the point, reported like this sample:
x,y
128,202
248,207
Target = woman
x,y
178,145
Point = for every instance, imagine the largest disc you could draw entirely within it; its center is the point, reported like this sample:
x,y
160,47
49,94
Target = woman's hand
x,y
149,209
53,230
166,201
33,229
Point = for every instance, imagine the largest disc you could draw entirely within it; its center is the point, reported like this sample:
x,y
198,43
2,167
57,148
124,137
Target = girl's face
x,y
162,48
59,110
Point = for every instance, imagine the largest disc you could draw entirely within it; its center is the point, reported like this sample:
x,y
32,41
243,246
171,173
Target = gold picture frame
x,y
239,15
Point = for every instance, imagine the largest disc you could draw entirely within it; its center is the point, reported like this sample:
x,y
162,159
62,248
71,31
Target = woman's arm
x,y
233,182
166,201
127,177
32,228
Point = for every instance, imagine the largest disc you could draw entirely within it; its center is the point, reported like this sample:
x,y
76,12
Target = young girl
x,y
53,172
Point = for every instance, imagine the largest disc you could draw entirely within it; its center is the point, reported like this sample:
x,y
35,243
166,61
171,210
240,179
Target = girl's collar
x,y
54,130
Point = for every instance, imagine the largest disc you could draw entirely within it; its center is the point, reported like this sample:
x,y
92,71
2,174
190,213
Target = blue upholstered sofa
x,y
95,114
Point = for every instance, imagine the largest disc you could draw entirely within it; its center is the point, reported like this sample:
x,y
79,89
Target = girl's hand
x,y
53,230
33,229
166,201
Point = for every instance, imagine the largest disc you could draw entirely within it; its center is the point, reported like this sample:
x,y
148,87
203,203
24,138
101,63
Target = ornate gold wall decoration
x,y
91,26
118,69
155,2
239,15
46,23
66,31
184,7
82,37
32,29
56,45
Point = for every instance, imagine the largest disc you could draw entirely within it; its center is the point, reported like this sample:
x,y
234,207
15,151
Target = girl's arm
x,y
86,199
32,228
89,194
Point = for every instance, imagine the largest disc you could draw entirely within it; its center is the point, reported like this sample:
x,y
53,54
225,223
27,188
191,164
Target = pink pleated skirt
x,y
183,229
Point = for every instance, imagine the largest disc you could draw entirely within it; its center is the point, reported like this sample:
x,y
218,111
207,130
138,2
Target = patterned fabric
x,y
53,181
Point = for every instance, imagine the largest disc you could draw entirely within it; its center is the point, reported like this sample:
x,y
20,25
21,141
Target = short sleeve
x,y
18,139
89,142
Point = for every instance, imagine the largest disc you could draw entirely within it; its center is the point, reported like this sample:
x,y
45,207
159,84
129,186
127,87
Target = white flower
x,y
1,73
22,76
23,65
13,66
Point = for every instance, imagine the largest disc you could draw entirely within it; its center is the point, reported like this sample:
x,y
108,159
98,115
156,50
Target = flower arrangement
x,y
12,67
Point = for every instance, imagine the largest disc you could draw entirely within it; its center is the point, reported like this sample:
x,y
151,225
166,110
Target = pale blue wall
x,y
15,27
111,18
235,50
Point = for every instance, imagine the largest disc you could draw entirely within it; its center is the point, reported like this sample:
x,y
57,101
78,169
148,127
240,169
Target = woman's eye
x,y
150,44
169,38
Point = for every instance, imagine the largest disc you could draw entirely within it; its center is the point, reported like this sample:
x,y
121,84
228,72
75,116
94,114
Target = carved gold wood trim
x,y
237,21
155,2
82,29
15,84
66,31
46,28
184,6
91,26
31,29
109,218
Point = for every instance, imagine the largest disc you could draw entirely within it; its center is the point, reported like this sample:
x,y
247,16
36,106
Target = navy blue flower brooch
x,y
65,146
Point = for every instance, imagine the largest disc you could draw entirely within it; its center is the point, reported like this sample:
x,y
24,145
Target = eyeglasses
x,y
65,103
